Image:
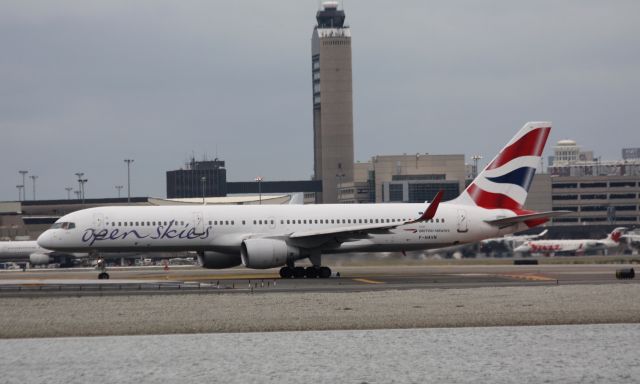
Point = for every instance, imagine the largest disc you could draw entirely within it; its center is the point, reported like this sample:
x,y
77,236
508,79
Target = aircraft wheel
x,y
325,272
103,276
311,272
298,272
286,272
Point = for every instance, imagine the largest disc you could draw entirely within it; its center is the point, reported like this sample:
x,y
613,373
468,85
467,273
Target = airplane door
x,y
98,220
463,222
198,222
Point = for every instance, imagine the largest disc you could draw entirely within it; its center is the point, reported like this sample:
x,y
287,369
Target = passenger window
x,y
243,223
288,222
231,222
304,221
442,220
226,222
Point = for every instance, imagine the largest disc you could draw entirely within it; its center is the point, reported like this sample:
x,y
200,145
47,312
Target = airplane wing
x,y
507,221
358,230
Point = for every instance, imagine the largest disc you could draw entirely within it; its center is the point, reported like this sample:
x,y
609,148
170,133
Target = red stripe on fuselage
x,y
531,144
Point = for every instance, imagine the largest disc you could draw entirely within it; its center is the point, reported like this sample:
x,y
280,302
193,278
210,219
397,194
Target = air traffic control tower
x,y
332,102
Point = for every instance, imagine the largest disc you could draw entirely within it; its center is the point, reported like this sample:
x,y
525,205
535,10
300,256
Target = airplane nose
x,y
46,239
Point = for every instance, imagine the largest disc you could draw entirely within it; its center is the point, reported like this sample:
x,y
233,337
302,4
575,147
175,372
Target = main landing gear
x,y
290,272
100,266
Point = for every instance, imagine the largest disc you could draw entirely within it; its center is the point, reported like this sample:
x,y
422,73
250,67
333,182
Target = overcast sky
x,y
86,84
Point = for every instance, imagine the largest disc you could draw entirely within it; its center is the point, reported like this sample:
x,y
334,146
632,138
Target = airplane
x,y
270,236
27,250
30,251
633,239
514,238
574,246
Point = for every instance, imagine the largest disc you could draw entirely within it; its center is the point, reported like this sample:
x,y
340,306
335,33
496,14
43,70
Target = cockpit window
x,y
63,225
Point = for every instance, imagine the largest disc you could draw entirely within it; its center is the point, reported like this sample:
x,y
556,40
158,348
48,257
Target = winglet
x,y
431,209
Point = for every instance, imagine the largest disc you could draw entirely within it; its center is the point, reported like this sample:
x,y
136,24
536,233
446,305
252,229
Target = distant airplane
x,y
573,246
267,236
633,239
30,251
509,239
24,251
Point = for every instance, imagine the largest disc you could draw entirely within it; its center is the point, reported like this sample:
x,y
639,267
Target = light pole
x,y
128,161
68,189
77,193
33,179
82,183
24,193
259,180
119,188
79,174
475,159
204,180
20,189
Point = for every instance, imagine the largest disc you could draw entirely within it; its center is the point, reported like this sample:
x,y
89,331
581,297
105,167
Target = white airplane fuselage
x,y
20,250
267,236
223,228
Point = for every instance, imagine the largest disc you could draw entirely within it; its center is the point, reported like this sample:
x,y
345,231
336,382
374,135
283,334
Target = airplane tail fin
x,y
616,234
505,181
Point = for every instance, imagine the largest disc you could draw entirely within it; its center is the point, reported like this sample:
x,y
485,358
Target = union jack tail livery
x,y
504,183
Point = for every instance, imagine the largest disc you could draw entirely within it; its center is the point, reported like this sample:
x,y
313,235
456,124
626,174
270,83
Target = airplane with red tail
x,y
575,246
269,236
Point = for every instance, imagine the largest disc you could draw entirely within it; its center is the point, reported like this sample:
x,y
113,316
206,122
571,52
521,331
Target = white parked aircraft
x,y
27,250
633,239
574,246
268,236
514,239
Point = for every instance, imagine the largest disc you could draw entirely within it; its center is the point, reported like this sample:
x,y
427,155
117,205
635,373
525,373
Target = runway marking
x,y
367,281
210,277
530,277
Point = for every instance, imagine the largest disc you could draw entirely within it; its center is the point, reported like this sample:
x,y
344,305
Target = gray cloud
x,y
86,84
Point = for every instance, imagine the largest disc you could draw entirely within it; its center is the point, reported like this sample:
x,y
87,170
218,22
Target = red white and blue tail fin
x,y
505,182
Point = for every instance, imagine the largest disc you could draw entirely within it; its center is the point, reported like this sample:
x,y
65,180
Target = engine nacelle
x,y
267,253
219,260
39,259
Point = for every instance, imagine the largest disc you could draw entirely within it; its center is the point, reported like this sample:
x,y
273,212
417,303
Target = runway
x,y
180,279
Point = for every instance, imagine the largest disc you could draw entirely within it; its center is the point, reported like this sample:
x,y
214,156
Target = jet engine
x,y
267,253
39,259
219,260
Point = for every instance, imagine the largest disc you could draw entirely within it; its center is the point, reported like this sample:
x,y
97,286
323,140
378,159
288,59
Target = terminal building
x,y
405,178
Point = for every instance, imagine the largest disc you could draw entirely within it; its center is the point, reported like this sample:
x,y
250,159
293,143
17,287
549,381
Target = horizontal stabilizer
x,y
507,221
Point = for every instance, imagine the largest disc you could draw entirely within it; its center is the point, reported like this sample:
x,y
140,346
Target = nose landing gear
x,y
101,266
